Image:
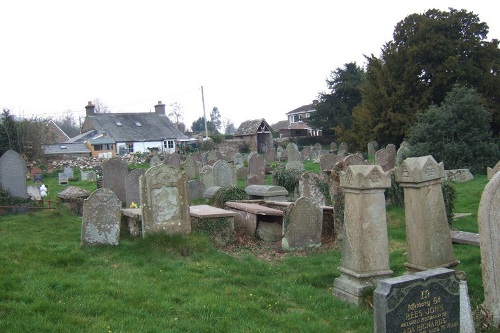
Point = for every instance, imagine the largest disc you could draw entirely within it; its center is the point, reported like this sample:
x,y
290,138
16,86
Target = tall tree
x,y
199,125
335,109
429,53
229,127
68,124
175,116
8,133
215,118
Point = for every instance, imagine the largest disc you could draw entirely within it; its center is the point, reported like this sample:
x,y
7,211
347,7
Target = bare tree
x,y
100,107
175,116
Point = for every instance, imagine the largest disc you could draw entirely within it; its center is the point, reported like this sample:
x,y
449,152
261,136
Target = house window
x,y
118,123
103,147
295,118
130,147
138,124
168,144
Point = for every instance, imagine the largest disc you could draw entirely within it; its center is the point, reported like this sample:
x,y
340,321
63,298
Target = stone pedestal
x,y
427,230
365,248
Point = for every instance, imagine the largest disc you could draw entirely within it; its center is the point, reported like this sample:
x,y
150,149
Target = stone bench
x,y
219,223
256,220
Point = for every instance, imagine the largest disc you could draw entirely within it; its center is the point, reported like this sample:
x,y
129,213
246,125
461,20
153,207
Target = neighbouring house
x,y
108,134
297,122
57,144
257,134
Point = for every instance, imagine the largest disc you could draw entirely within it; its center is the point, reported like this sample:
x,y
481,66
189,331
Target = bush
x,y
225,194
289,179
450,196
244,148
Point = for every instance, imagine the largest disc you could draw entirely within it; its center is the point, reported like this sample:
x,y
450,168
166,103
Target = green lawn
x,y
48,283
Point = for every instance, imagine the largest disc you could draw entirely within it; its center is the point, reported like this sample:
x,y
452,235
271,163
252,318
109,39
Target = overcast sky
x,y
255,59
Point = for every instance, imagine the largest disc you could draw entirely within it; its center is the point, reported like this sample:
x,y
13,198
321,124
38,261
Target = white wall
x,y
142,147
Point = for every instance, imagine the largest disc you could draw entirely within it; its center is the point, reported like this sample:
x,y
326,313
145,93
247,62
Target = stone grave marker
x,y
69,172
223,174
132,189
371,148
427,301
279,153
35,171
427,230
241,172
238,159
173,160
63,178
489,238
353,160
310,185
402,153
491,172
458,175
343,149
302,225
38,177
386,157
13,173
295,165
114,172
191,168
207,176
305,153
256,170
318,147
165,201
155,160
333,146
365,247
196,188
270,156
101,218
292,152
266,192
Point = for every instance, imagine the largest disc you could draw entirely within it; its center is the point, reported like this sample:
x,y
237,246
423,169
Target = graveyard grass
x,y
48,283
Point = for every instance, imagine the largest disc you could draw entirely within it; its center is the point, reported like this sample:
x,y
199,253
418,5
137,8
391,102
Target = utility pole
x,y
204,114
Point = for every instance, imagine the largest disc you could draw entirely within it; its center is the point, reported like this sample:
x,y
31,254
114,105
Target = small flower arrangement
x,y
134,205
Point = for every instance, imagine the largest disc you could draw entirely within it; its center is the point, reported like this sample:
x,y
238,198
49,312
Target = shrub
x,y
228,194
450,196
244,148
289,179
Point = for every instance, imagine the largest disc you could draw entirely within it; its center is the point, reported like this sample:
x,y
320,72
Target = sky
x,y
254,59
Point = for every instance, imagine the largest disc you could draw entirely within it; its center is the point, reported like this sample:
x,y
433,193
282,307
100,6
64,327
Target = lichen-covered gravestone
x,y
223,174
13,174
313,186
133,194
101,218
302,225
165,203
489,238
191,168
114,172
256,170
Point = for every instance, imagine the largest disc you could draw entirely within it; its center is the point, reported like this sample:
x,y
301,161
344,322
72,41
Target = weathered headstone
x,y
305,153
489,237
101,218
402,153
279,153
314,187
371,148
333,147
295,165
491,172
343,149
427,301
165,203
207,176
69,172
365,247
155,160
292,152
196,188
13,173
270,156
132,189
191,168
353,160
256,170
458,175
238,159
114,171
62,178
173,160
427,230
223,174
266,192
241,172
386,157
302,225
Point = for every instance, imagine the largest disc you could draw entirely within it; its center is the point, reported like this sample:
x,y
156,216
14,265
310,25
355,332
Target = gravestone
x,y
279,153
114,172
491,172
223,174
132,189
191,168
314,155
241,172
353,160
238,160
427,231
489,238
173,160
13,173
458,175
270,156
317,147
37,178
365,247
69,172
386,157
256,170
305,153
310,186
302,225
101,218
266,192
343,149
333,147
371,148
427,301
196,188
292,153
207,176
155,160
35,171
165,202
295,165
402,153
327,161
62,178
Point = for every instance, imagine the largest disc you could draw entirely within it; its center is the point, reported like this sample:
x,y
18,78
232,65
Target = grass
x,y
48,283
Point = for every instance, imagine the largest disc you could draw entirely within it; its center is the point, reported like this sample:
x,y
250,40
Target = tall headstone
x,y
333,147
173,160
343,149
292,152
402,153
489,239
155,160
302,225
165,203
256,170
114,172
69,172
427,301
427,230
386,157
270,156
311,185
371,148
305,153
223,174
353,160
365,248
191,168
491,172
132,190
238,160
196,188
13,173
101,218
207,176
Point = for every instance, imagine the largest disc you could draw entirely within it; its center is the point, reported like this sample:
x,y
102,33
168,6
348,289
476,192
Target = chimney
x,y
90,109
160,109
315,101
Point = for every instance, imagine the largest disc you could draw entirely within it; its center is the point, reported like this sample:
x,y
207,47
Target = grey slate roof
x,y
66,148
83,137
303,108
250,127
134,127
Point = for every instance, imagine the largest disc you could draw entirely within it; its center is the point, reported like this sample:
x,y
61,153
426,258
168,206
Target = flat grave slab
x,y
463,237
207,211
254,208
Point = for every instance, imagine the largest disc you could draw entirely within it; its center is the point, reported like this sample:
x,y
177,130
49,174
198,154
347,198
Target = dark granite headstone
x,y
132,189
114,171
428,301
13,174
